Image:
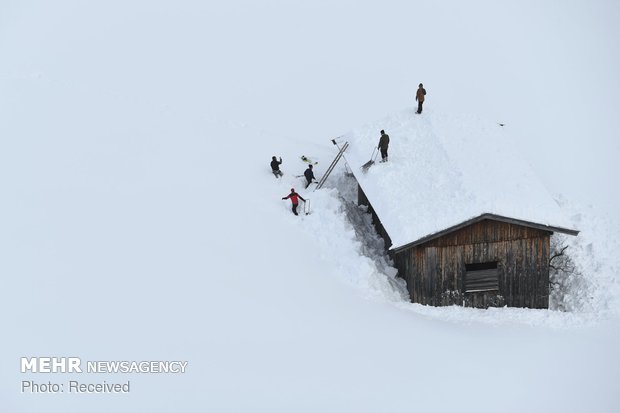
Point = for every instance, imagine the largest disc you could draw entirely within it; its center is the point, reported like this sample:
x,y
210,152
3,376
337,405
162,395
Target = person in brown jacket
x,y
419,96
384,142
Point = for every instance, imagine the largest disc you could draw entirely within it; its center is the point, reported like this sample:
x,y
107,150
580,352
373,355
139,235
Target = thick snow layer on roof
x,y
444,170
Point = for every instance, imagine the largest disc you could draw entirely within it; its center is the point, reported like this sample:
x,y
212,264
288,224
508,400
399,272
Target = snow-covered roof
x,y
446,170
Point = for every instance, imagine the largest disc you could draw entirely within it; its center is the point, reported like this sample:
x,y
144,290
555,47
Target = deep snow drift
x,y
140,220
164,259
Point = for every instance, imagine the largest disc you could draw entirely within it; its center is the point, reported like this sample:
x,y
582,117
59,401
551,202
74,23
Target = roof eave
x,y
482,217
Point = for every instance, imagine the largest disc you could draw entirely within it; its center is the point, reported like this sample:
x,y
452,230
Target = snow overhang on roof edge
x,y
482,217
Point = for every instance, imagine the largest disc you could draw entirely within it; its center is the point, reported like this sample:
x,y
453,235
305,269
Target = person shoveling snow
x,y
384,142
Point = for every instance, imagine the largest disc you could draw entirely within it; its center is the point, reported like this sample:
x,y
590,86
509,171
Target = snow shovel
x,y
371,162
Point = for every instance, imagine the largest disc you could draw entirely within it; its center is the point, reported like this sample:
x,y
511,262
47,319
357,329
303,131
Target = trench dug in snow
x,y
372,245
353,241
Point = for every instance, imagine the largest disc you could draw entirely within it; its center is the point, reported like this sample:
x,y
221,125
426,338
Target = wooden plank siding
x,y
434,271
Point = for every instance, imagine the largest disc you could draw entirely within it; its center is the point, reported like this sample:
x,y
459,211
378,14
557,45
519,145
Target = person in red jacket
x,y
294,197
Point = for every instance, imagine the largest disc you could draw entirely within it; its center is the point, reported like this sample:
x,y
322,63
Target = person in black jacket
x,y
309,174
275,166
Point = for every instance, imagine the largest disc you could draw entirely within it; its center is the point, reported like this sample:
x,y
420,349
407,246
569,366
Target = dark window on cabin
x,y
481,277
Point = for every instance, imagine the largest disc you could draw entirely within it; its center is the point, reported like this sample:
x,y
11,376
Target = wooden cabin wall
x,y
434,271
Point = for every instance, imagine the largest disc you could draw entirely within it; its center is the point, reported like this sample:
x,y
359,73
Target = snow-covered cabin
x,y
463,216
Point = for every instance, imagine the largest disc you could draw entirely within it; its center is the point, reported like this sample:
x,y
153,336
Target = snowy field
x,y
141,222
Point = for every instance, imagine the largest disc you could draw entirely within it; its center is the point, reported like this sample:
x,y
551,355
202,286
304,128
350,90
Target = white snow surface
x,y
139,219
443,170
